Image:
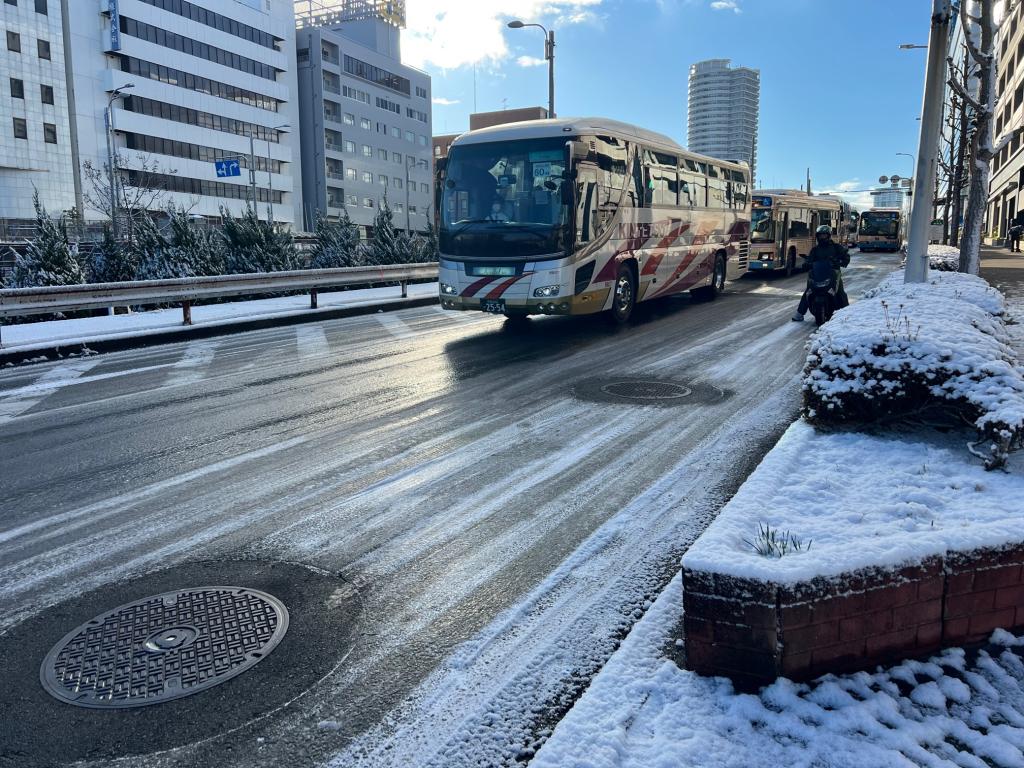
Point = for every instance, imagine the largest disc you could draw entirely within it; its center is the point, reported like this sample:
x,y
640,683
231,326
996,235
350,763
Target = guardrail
x,y
19,302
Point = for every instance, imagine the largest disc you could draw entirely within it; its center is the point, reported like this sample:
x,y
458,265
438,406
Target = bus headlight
x,y
449,290
546,291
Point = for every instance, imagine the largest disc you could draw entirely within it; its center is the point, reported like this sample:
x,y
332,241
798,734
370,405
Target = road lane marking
x,y
17,401
101,509
193,363
311,341
394,326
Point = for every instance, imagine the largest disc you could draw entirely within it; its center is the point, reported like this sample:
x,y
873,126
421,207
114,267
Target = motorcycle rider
x,y
825,249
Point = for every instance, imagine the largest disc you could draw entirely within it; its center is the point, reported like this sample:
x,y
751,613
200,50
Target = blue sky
x,y
836,92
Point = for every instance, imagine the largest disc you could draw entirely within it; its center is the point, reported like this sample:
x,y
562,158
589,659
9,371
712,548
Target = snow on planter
x,y
905,349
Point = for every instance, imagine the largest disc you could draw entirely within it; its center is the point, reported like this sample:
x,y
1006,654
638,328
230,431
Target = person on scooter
x,y
826,248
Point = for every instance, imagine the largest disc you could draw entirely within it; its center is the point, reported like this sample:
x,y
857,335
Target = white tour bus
x,y
782,226
577,216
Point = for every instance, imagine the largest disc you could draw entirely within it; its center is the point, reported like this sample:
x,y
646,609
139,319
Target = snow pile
x,y
861,501
905,349
642,710
943,258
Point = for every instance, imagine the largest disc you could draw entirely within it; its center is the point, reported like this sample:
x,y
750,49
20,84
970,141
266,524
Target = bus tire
x,y
718,274
624,296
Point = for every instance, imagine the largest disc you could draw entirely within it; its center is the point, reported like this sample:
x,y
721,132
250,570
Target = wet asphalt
x,y
403,478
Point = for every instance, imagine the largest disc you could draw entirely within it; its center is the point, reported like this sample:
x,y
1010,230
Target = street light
x,y
108,118
417,162
270,177
549,54
913,162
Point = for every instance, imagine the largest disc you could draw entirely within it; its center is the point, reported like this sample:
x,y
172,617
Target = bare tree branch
x,y
959,88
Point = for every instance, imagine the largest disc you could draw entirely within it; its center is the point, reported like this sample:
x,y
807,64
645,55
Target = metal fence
x,y
20,302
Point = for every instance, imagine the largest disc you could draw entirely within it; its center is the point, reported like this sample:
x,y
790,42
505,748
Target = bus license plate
x,y
494,306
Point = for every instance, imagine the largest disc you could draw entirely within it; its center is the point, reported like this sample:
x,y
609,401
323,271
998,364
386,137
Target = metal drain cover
x,y
646,390
164,647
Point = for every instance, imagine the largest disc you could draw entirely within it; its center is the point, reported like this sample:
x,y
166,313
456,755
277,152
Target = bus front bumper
x,y
580,304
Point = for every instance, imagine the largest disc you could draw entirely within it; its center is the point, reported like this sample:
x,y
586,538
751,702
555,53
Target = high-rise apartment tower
x,y
723,104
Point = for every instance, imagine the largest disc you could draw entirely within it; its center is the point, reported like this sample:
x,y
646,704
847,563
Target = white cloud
x,y
441,101
449,34
530,61
846,186
726,5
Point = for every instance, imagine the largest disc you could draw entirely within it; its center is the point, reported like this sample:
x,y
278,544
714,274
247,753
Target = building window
x,y
389,105
41,7
350,147
356,94
349,119
412,209
382,154
368,202
43,46
351,174
14,42
162,146
196,12
367,150
352,200
190,116
46,93
410,136
382,180
425,188
423,141
396,132
376,75
17,88
11,2
49,133
399,207
194,82
398,183
421,91
365,124
20,128
367,177
396,156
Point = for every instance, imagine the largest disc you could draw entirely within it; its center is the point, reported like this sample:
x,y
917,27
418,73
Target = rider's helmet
x,y
823,231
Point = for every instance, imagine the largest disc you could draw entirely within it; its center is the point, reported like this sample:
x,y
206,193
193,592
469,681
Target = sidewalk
x,y
28,341
1003,269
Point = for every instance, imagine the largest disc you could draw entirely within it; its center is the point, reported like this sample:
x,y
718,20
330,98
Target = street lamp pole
x,y
270,177
913,161
408,224
549,55
252,170
928,143
108,118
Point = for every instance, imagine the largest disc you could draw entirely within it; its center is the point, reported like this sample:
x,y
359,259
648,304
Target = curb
x,y
189,333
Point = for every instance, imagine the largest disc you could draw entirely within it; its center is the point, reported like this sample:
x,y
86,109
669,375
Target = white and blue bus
x,y
585,215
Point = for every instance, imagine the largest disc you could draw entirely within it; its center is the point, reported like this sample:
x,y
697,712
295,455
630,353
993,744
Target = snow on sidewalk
x,y
79,331
643,711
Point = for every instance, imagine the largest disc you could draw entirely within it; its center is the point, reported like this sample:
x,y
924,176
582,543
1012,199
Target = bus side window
x,y
611,162
798,225
637,193
740,191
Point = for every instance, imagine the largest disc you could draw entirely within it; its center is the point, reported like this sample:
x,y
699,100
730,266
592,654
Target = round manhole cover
x,y
646,390
164,647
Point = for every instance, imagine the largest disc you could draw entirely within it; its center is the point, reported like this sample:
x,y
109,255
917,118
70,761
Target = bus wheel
x,y
709,292
625,295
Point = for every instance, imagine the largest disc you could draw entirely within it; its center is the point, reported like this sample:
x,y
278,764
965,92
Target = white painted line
x,y
117,503
394,326
17,401
311,340
193,363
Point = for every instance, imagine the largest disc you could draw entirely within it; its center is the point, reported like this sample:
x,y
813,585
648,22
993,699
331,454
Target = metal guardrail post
x,y
405,289
186,312
312,298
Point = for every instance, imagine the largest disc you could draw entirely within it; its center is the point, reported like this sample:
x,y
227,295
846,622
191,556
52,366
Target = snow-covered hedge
x,y
904,349
944,258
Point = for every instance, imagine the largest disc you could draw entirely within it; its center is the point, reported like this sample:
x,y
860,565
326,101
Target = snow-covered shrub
x,y
905,349
942,258
47,260
253,245
336,243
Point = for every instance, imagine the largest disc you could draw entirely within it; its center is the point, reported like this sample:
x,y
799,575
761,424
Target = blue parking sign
x,y
228,167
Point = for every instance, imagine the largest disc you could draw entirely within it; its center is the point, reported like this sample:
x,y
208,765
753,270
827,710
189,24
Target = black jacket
x,y
832,251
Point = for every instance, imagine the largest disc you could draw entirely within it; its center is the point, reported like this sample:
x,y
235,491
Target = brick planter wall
x,y
755,631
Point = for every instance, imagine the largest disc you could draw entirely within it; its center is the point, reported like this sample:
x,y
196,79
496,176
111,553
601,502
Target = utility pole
x,y
928,143
108,120
549,54
270,177
252,170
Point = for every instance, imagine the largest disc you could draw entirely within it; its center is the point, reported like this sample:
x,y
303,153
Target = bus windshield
x,y
762,228
883,224
505,199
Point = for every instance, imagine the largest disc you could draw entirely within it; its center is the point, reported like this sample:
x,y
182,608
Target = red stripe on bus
x,y
500,289
474,287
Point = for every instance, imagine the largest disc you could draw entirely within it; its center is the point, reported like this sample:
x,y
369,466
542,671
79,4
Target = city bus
x,y
585,215
881,229
782,227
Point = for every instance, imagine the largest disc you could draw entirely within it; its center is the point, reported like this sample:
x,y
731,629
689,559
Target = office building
x,y
365,117
35,136
888,197
722,111
210,80
1005,203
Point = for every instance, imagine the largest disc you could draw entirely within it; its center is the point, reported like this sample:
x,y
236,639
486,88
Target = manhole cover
x,y
646,390
164,647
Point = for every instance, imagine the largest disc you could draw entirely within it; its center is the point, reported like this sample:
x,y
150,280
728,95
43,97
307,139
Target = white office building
x,y
722,111
35,148
888,197
365,117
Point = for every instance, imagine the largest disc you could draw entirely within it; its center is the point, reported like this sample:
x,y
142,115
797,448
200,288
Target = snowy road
x,y
499,532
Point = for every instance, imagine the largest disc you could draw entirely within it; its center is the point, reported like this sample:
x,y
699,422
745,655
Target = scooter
x,y
823,288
